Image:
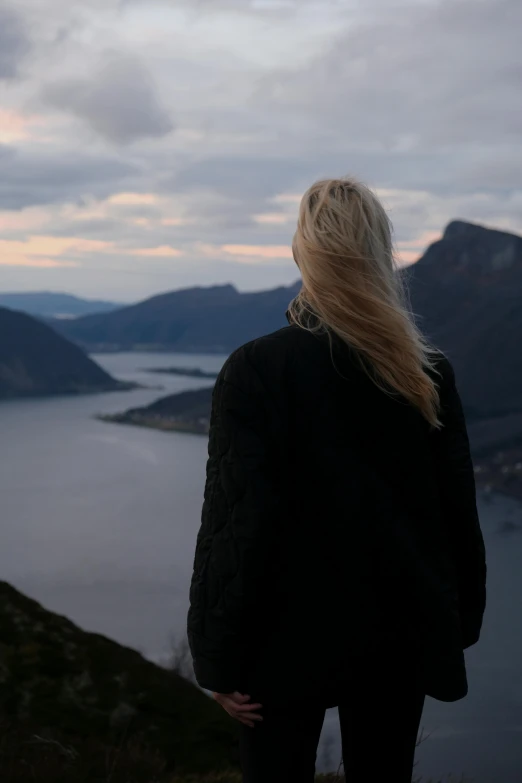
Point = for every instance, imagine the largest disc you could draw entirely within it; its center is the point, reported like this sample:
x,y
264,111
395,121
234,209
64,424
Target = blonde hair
x,y
343,247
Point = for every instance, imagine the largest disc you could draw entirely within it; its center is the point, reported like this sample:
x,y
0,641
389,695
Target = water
x,y
99,520
99,523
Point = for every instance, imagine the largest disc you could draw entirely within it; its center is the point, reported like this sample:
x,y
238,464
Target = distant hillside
x,y
187,411
53,305
34,361
62,680
467,292
198,320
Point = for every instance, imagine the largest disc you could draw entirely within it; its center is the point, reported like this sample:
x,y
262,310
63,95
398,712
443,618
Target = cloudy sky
x,y
148,145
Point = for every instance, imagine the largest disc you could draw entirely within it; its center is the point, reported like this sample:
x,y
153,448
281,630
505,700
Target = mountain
x,y
53,305
187,411
34,361
100,699
467,292
199,320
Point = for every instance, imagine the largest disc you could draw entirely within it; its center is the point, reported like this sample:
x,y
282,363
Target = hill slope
x,y
467,291
34,360
49,304
199,320
85,685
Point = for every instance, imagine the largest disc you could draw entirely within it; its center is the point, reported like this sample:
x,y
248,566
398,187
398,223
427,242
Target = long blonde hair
x,y
343,247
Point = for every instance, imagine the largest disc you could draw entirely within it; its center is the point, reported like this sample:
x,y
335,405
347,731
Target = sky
x,y
149,145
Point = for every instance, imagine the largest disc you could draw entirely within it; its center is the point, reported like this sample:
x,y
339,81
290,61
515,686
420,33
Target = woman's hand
x,y
236,706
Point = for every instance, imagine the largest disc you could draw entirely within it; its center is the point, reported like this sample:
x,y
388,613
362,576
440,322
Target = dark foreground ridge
x,y
76,707
59,680
36,361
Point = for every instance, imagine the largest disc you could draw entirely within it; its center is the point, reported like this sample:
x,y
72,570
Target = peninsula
x,y
186,372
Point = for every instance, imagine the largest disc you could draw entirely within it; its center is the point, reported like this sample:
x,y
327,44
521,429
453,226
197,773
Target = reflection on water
x,y
99,523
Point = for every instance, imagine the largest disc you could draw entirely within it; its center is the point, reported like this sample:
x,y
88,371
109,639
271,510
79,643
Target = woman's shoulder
x,y
269,355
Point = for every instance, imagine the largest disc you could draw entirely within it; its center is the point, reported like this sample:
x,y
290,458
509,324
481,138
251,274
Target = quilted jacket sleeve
x,y
233,542
457,483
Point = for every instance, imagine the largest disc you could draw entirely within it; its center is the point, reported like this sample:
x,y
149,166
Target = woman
x,y
340,559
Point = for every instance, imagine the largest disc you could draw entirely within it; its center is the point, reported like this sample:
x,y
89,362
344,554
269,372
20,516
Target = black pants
x,y
379,712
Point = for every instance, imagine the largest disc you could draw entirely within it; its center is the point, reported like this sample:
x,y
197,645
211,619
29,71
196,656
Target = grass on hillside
x,y
44,756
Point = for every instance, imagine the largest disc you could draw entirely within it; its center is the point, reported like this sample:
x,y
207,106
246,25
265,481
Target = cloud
x,y
420,98
14,126
259,251
162,251
246,254
47,251
44,251
119,102
14,42
272,218
434,74
45,176
253,175
36,263
133,199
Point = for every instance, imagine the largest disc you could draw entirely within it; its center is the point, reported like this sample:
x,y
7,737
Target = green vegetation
x,y
48,757
62,683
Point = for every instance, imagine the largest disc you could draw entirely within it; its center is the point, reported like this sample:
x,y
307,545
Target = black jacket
x,y
335,522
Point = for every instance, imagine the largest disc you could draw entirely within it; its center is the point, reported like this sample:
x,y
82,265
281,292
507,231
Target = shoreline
x,y
160,423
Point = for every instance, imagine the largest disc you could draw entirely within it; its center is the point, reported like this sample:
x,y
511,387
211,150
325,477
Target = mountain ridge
x,y
466,294
53,304
214,319
36,361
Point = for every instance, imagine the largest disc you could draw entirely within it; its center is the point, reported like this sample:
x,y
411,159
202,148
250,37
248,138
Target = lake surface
x,y
99,523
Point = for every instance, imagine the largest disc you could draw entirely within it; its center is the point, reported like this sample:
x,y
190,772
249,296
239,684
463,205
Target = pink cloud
x,y
15,126
407,257
287,198
51,246
409,251
260,252
272,218
132,199
163,251
426,238
44,251
27,219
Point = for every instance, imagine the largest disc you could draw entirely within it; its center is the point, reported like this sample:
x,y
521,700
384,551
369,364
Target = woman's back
x,y
354,515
